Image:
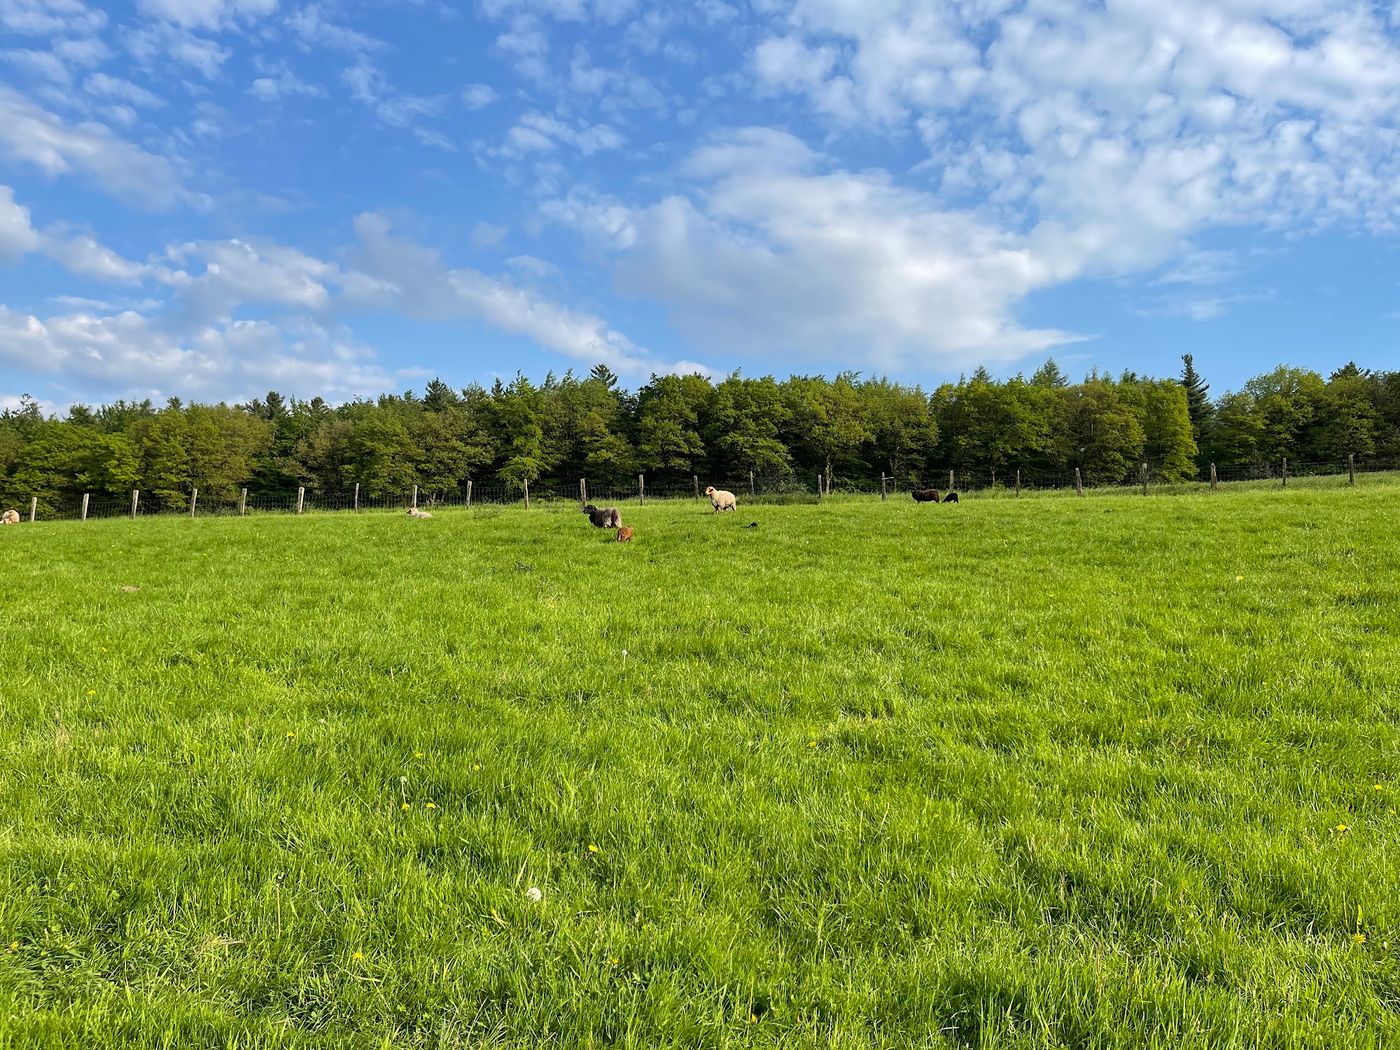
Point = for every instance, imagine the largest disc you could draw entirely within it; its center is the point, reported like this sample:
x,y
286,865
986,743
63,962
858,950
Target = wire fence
x,y
984,482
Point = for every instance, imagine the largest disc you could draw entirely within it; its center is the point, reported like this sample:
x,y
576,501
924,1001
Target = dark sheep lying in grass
x,y
926,495
952,497
604,517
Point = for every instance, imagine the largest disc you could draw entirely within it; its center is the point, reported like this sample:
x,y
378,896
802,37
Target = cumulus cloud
x,y
1130,124
50,17
206,14
42,140
140,356
17,235
394,272
102,85
157,45
478,96
776,250
313,29
538,133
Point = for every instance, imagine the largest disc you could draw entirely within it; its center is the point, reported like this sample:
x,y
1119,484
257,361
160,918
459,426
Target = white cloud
x,y
84,256
478,96
50,17
57,65
369,87
101,85
17,235
1202,267
785,62
537,133
279,83
155,46
135,355
312,29
392,272
207,14
38,138
776,253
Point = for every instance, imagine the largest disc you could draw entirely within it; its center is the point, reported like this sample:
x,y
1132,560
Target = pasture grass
x,y
1114,772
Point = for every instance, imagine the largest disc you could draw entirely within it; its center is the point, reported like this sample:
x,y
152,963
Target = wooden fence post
x,y
1018,484
85,506
696,479
414,504
1351,468
1078,481
242,502
1144,479
194,500
819,488
582,492
527,495
951,483
135,501
357,495
301,498
1285,472
33,508
750,484
469,492
1214,477
883,494
641,489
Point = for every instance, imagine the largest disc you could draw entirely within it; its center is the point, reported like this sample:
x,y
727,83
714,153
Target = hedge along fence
x,y
818,489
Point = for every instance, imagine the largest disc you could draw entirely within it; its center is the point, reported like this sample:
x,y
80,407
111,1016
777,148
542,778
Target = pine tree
x,y
1197,397
1049,376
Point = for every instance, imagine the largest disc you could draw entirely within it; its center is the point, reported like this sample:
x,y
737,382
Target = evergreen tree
x,y
1197,398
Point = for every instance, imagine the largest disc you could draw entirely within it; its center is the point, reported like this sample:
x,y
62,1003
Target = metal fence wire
x,y
1002,482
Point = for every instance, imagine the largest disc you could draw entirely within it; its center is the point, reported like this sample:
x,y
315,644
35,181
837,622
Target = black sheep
x,y
605,517
952,497
925,495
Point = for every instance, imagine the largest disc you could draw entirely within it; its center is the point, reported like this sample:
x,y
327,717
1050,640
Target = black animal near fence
x,y
1010,482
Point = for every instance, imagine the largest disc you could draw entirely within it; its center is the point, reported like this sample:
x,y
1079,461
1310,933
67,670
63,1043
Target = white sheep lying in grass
x,y
10,517
414,512
720,499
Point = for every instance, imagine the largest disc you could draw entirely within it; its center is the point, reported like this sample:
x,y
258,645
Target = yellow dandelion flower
x,y
417,754
1358,938
14,946
358,957
612,961
405,806
476,766
1380,787
1239,579
1342,829
811,743
753,1018
592,848
92,692
291,735
430,805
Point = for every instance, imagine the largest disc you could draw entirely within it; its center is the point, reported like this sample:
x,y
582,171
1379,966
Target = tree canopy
x,y
850,429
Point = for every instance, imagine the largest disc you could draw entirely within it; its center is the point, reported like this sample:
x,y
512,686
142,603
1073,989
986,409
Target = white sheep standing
x,y
10,517
721,500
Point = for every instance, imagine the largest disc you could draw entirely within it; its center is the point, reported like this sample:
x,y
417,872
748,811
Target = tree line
x,y
552,433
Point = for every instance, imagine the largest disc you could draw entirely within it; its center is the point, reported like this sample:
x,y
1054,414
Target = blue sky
x,y
213,198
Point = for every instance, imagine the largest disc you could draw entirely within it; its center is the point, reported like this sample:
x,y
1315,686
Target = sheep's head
x,y
710,491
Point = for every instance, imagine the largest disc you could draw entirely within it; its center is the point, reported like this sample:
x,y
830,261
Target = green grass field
x,y
1113,772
